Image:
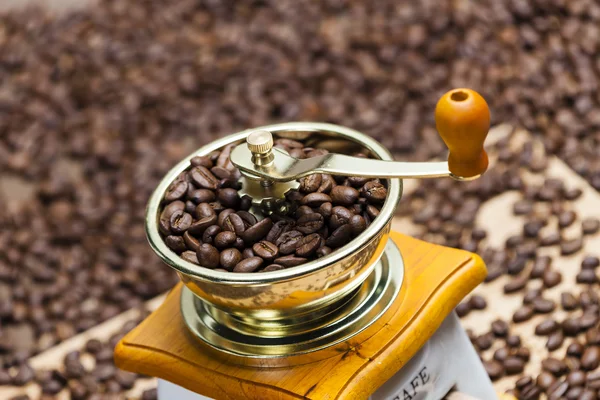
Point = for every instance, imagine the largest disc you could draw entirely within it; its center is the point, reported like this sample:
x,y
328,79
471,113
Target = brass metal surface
x,y
294,291
305,338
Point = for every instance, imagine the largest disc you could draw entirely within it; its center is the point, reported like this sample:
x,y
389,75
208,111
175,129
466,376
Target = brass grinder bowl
x,y
294,294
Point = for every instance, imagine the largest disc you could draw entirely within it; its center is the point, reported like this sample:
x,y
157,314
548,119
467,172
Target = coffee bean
x,y
202,161
197,228
566,218
210,234
484,342
576,378
374,192
248,218
339,237
344,195
339,216
190,256
228,197
203,178
569,247
257,231
477,302
587,276
290,261
208,256
588,394
310,183
24,375
494,369
570,326
590,358
558,392
230,258
191,242
590,226
180,222
288,242
175,243
568,301
199,196
501,354
543,306
357,224
516,284
516,265
463,309
315,199
575,349
273,267
551,239
531,229
224,239
555,341
308,245
248,264
545,380
266,250
551,278
234,223
546,327
513,365
499,328
310,223
165,216
176,191
587,320
149,394
372,212
593,380
523,382
590,262
555,366
531,295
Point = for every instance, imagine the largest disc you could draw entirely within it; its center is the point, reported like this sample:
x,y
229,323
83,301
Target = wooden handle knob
x,y
462,118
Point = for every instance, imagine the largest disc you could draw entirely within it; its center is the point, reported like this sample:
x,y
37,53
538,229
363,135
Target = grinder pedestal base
x,y
421,352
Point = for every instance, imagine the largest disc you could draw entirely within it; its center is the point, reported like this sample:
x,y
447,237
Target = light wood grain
x,y
436,279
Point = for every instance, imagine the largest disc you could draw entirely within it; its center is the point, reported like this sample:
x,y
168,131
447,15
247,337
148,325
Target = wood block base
x,y
436,279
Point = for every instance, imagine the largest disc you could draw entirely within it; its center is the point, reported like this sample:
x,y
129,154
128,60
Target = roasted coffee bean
x,y
555,340
339,237
555,366
149,394
587,320
203,178
224,239
290,261
210,233
590,262
198,227
24,375
315,199
501,354
175,243
223,216
531,229
372,212
234,223
590,358
165,216
566,218
310,223
323,251
302,211
523,382
576,378
477,302
484,342
273,267
257,231
575,349
523,353
551,239
247,253
266,250
310,183
288,242
339,216
176,191
568,301
569,247
248,264
551,278
357,224
572,363
327,183
374,192
516,284
540,265
247,217
201,161
230,258
499,328
344,195
463,309
588,394
587,276
278,228
558,391
513,365
590,226
570,326
543,306
180,222
592,336
531,295
190,256
199,196
593,380
228,197
308,245
545,380
516,265
191,242
208,256
494,369
546,327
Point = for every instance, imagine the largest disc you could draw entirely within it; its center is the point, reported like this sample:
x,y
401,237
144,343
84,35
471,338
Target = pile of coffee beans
x,y
206,221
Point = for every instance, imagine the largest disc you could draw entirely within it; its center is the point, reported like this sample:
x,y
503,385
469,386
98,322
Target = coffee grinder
x,y
372,320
